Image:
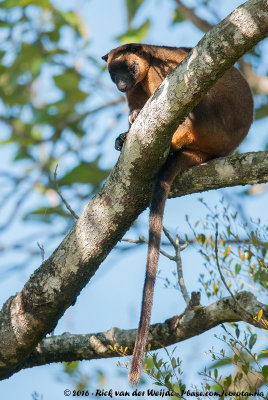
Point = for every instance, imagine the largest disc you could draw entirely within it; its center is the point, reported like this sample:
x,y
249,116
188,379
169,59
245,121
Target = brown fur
x,y
214,128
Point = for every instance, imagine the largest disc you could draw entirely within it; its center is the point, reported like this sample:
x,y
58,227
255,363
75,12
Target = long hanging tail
x,y
159,196
175,164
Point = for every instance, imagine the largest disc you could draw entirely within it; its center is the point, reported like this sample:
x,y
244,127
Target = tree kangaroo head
x,y
127,65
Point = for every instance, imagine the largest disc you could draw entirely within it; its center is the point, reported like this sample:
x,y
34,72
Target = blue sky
x,y
112,298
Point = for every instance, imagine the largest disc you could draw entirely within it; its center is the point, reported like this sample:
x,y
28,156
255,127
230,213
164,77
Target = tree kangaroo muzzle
x,y
214,128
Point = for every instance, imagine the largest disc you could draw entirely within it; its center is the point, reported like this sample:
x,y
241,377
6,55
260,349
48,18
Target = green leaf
x,y
202,238
245,368
235,358
176,388
70,367
237,332
155,361
227,381
149,362
222,363
167,378
73,19
21,154
261,112
36,65
252,340
237,268
54,35
101,378
265,371
132,8
84,173
70,17
173,362
135,35
67,80
177,16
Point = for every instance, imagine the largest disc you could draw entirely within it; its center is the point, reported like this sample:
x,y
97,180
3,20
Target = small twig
x,y
178,248
139,241
42,251
177,258
169,237
62,198
222,277
143,240
184,244
180,273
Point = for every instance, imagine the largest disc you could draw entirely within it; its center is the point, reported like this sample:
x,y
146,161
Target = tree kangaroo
x,y
214,128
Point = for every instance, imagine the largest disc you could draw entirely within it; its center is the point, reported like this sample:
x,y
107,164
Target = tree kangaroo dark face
x,y
127,65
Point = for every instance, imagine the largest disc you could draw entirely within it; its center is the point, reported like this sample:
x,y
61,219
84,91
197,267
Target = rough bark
x,y
192,322
241,169
26,317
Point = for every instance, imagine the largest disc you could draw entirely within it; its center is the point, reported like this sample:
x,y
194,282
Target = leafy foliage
x,y
132,8
177,16
47,86
74,375
135,35
249,372
243,250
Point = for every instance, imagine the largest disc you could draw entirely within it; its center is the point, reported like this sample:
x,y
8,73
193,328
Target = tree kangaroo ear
x,y
105,58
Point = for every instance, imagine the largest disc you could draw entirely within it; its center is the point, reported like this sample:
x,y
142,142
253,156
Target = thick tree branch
x,y
70,347
26,317
241,169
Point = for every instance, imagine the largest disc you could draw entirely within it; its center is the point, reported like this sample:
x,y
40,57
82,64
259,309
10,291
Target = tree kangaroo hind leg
x,y
175,164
